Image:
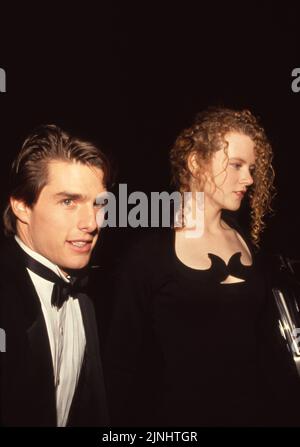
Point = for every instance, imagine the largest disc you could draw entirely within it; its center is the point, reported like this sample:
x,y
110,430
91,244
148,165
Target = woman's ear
x,y
200,174
193,164
20,209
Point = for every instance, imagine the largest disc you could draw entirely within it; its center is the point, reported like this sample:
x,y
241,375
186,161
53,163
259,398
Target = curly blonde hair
x,y
206,136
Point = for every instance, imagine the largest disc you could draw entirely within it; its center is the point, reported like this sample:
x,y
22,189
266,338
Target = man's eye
x,y
67,202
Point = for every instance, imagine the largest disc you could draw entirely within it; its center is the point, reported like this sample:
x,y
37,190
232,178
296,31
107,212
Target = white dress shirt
x,y
66,336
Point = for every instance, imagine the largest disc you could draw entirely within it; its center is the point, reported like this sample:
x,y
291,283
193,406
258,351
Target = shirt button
x,y
61,330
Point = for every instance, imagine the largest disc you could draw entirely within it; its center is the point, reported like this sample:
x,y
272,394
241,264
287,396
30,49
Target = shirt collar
x,y
38,257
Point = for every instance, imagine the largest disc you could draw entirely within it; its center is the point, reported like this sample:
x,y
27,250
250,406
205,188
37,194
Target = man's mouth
x,y
81,245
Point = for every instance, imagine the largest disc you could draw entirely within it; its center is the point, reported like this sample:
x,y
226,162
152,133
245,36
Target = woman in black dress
x,y
192,330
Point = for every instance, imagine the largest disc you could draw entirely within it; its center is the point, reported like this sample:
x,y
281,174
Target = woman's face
x,y
230,174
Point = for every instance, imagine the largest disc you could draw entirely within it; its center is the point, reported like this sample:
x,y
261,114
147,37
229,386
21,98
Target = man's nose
x,y
87,219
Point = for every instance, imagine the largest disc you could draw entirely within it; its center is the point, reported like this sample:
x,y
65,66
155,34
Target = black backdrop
x,y
131,75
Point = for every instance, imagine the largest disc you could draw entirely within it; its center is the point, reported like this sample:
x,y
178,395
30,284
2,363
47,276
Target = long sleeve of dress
x,y
129,350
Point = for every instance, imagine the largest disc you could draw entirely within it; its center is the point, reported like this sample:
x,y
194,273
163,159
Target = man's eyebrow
x,y
241,159
69,195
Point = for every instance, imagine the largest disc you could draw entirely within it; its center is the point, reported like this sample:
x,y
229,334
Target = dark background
x,y
131,75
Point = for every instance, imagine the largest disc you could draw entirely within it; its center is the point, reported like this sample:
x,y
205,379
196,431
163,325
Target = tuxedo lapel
x,y
34,321
29,375
89,406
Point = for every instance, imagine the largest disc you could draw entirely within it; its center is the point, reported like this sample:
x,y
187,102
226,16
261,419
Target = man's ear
x,y
20,209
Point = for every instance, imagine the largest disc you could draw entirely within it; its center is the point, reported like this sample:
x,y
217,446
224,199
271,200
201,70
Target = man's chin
x,y
76,264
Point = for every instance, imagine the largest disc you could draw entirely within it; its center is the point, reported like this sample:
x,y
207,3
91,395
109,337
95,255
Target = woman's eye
x,y
236,165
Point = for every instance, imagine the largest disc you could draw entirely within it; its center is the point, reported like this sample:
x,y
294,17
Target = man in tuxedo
x,y
51,372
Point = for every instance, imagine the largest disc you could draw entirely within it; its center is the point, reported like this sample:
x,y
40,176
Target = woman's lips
x,y
240,194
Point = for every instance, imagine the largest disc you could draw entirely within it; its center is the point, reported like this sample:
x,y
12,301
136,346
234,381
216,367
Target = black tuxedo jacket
x,y
26,376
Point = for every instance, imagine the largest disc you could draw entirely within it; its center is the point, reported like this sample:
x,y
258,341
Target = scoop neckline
x,y
194,273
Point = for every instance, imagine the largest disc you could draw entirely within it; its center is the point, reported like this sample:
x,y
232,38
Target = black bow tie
x,y
62,289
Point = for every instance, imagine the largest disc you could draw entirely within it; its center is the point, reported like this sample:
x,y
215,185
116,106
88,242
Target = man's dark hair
x,y
29,173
